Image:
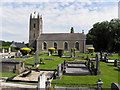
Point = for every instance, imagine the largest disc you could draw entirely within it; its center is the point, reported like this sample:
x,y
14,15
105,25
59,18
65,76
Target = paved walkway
x,y
16,85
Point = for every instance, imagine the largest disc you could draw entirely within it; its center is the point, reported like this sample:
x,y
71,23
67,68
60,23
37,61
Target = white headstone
x,y
41,82
9,50
3,50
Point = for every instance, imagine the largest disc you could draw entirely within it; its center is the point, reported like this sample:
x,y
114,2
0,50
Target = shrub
x,y
60,52
42,61
25,51
73,49
51,50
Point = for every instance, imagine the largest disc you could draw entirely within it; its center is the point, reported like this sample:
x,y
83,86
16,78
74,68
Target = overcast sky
x,y
58,16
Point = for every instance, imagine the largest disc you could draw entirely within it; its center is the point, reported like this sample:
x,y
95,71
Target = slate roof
x,y
11,61
62,36
20,45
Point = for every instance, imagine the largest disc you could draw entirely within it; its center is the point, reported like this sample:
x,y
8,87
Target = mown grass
x,y
8,74
109,73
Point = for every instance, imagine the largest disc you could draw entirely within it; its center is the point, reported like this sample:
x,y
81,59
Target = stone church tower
x,y
35,28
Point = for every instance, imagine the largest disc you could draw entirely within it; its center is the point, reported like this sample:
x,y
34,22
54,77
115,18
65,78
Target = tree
x,y
72,30
105,36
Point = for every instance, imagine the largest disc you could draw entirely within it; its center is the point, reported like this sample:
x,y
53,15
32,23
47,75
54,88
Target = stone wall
x,y
60,45
12,67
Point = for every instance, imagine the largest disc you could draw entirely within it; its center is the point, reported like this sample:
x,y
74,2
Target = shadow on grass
x,y
111,65
55,55
117,70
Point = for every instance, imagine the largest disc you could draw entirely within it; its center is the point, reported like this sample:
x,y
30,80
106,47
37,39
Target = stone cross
x,y
41,82
97,64
36,58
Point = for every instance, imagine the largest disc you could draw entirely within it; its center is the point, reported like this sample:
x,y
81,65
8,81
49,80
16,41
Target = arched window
x,y
77,45
44,45
34,25
65,46
55,45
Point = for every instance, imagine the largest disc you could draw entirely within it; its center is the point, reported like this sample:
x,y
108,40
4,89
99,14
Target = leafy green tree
x,y
72,30
105,36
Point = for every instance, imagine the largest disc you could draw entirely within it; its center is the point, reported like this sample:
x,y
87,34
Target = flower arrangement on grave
x,y
73,49
90,49
25,51
51,50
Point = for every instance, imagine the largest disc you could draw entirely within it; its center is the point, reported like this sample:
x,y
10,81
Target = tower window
x,y
34,35
34,25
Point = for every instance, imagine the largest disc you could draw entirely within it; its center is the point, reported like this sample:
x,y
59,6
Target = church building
x,y
42,41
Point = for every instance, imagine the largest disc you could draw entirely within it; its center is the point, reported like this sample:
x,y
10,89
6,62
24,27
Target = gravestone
x,y
36,58
18,54
101,55
72,55
97,64
59,71
115,86
88,65
92,66
9,51
48,84
41,82
49,54
3,51
116,63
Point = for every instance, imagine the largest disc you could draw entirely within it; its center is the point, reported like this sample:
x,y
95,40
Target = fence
x,y
99,84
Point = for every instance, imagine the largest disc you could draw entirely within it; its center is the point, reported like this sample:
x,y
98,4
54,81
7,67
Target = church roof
x,y
20,45
62,36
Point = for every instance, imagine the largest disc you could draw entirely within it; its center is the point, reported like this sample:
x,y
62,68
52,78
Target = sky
x,y
58,16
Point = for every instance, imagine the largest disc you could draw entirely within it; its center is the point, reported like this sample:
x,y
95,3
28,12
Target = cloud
x,y
57,17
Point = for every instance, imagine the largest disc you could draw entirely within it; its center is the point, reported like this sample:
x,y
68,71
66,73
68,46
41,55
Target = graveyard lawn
x,y
109,74
8,74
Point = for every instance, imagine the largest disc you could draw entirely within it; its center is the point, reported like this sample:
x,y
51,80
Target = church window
x,y
34,25
55,45
34,35
77,45
65,46
44,45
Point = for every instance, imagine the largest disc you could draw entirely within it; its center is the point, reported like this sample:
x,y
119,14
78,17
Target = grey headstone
x,y
116,63
36,58
115,86
59,71
97,64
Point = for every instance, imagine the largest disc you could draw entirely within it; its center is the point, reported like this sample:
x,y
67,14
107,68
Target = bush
x,y
73,49
42,61
60,52
25,51
51,50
